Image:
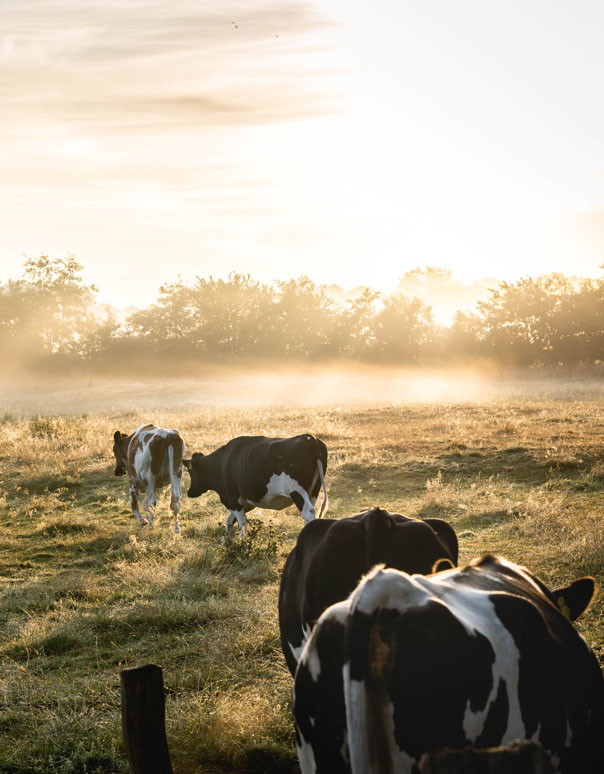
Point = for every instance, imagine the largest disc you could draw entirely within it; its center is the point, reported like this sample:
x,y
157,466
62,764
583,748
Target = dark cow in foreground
x,y
332,555
152,458
257,472
481,656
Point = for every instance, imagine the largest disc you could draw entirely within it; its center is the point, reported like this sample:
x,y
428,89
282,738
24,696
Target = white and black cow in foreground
x,y
257,472
332,555
480,656
152,458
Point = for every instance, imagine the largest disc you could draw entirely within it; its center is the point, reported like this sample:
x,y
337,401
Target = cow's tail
x,y
325,503
368,654
174,479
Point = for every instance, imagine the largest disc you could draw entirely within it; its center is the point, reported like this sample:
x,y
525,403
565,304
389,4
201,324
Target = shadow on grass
x,y
270,760
81,489
516,465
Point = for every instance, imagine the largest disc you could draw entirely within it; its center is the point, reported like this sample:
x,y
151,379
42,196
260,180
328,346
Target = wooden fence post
x,y
143,720
517,758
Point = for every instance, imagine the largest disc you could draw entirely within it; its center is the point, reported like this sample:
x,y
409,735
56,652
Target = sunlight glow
x,y
343,140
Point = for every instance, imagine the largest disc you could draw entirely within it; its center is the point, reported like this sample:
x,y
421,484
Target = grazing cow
x,y
331,556
481,656
257,472
152,458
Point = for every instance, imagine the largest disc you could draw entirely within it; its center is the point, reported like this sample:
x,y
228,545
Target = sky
x,y
339,139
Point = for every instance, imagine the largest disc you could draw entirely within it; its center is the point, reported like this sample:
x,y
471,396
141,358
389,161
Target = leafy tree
x,y
518,322
304,320
403,329
49,307
220,317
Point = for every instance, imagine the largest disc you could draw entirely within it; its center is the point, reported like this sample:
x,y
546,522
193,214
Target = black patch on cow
x,y
319,708
496,721
561,687
434,668
241,469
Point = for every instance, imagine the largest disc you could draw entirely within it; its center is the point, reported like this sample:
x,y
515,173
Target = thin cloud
x,y
136,65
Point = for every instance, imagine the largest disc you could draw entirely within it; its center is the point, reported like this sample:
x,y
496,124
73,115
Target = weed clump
x,y
260,544
44,427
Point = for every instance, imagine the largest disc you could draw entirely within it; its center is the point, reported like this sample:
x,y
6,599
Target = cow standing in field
x,y
152,458
480,656
332,555
257,472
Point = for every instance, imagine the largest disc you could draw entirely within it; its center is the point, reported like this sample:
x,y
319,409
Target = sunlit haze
x,y
344,140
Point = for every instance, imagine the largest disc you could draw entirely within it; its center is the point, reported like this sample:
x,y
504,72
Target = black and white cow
x,y
152,458
332,555
257,472
482,655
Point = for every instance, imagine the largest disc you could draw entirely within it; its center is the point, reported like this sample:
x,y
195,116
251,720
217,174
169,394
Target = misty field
x,y
86,593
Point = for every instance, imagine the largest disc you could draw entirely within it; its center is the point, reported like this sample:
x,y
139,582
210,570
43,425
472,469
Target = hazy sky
x,y
346,140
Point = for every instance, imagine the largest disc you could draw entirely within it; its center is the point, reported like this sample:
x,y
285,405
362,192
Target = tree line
x,y
49,314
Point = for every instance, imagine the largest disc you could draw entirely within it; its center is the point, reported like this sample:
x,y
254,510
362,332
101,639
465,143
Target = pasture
x,y
86,593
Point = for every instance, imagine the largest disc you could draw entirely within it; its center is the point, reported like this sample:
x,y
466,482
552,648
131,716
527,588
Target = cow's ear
x,y
575,599
196,456
446,535
187,464
442,564
117,436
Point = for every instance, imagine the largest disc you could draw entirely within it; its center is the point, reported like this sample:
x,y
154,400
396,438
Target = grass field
x,y
85,592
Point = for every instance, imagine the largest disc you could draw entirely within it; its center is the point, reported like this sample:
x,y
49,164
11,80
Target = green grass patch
x,y
87,592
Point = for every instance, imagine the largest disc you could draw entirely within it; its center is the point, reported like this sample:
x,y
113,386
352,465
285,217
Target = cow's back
x,y
332,555
155,455
465,657
247,463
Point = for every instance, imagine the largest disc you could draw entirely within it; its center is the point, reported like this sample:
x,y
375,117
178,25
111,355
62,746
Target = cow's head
x,y
120,450
196,468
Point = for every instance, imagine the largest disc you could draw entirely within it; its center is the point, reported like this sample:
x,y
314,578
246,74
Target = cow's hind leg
x,y
151,502
175,481
134,502
175,508
304,504
238,516
230,519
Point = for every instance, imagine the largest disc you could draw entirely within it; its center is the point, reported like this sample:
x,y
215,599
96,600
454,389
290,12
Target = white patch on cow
x,y
309,656
278,496
312,662
306,755
358,742
134,502
392,589
175,481
230,519
297,652
477,613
